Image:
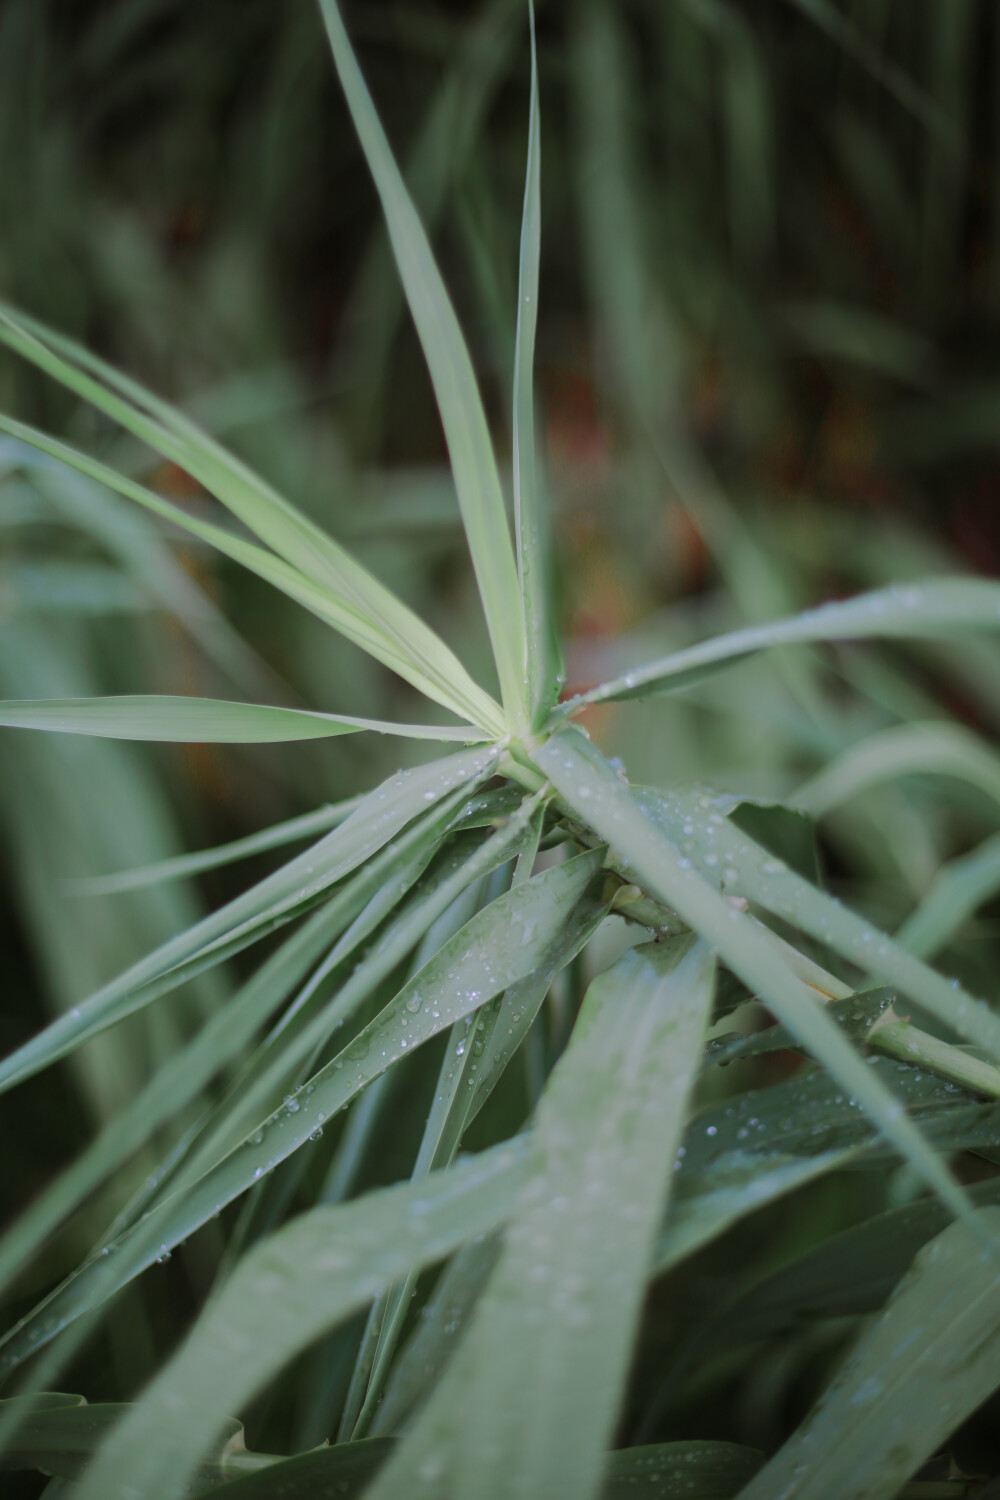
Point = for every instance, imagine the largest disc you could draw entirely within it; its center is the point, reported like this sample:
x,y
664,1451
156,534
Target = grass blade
x,y
726,856
590,786
959,889
543,662
367,611
941,606
202,721
937,749
489,954
182,866
378,819
288,1290
566,1292
473,463
454,690
899,1395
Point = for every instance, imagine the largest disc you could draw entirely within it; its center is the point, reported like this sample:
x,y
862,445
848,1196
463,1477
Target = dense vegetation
x,y
581,1106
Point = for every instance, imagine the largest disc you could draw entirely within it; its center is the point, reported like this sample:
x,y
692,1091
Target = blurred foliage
x,y
768,373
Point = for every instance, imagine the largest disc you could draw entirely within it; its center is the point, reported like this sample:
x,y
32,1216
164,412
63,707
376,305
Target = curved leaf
x,y
941,606
291,889
284,1293
930,1359
591,788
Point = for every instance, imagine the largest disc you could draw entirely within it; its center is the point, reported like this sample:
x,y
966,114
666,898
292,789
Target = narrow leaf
x,y
927,1363
373,823
365,609
590,786
473,464
731,860
182,866
286,1292
202,721
937,749
543,664
567,1290
959,889
506,941
941,606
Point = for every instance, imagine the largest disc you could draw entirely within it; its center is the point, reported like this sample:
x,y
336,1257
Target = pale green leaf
x,y
566,1292
729,858
463,696
295,887
463,418
360,606
941,606
959,889
282,1295
513,936
182,866
543,663
202,721
936,749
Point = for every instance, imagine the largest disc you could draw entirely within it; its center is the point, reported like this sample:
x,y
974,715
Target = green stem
x,y
897,1038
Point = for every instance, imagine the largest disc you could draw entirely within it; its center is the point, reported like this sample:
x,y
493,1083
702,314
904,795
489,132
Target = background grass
x,y
767,366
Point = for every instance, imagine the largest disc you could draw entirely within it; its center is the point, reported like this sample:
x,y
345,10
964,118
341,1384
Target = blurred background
x,y
768,371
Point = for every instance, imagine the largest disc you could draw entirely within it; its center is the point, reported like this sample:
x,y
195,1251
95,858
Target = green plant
x,y
425,912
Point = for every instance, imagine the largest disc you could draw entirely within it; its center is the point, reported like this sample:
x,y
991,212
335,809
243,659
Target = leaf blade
x,y
473,464
169,719
543,663
566,1291
938,607
898,1397
594,792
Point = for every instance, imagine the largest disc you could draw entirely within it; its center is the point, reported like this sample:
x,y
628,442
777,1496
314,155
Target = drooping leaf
x,y
930,1359
941,606
299,883
938,749
591,788
282,1295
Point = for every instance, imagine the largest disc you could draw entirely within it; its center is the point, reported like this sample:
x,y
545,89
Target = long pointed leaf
x,y
463,418
724,855
566,1292
590,786
202,721
941,606
507,940
451,686
542,654
181,866
389,629
293,1286
377,820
